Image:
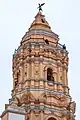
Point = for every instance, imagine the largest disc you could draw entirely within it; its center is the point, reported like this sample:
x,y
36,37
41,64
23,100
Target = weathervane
x,y
40,6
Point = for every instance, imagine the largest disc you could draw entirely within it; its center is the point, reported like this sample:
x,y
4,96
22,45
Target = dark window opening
x,y
16,82
29,50
25,73
50,74
47,42
43,20
51,118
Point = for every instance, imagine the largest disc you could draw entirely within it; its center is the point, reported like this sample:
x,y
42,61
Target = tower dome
x,y
40,28
40,22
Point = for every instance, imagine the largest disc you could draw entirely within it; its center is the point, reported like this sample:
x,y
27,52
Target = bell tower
x,y
40,75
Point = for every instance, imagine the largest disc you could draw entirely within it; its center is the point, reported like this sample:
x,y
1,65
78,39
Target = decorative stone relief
x,y
26,98
71,107
16,102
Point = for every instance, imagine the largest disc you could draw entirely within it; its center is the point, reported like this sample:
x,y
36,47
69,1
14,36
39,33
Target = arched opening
x,y
51,118
50,74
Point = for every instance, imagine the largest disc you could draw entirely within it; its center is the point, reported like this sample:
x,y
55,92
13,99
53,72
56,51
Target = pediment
x,y
26,97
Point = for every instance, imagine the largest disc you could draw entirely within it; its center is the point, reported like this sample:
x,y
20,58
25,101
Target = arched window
x,y
51,118
50,74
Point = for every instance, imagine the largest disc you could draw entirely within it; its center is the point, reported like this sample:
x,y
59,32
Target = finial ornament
x,y
40,6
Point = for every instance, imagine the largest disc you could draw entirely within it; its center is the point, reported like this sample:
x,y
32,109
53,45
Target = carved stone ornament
x,y
64,101
26,98
16,102
43,97
37,112
72,107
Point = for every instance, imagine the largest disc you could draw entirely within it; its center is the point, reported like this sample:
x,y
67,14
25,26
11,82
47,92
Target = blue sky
x,y
15,19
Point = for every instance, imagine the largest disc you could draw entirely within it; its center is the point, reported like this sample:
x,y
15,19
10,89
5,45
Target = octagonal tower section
x,y
40,75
